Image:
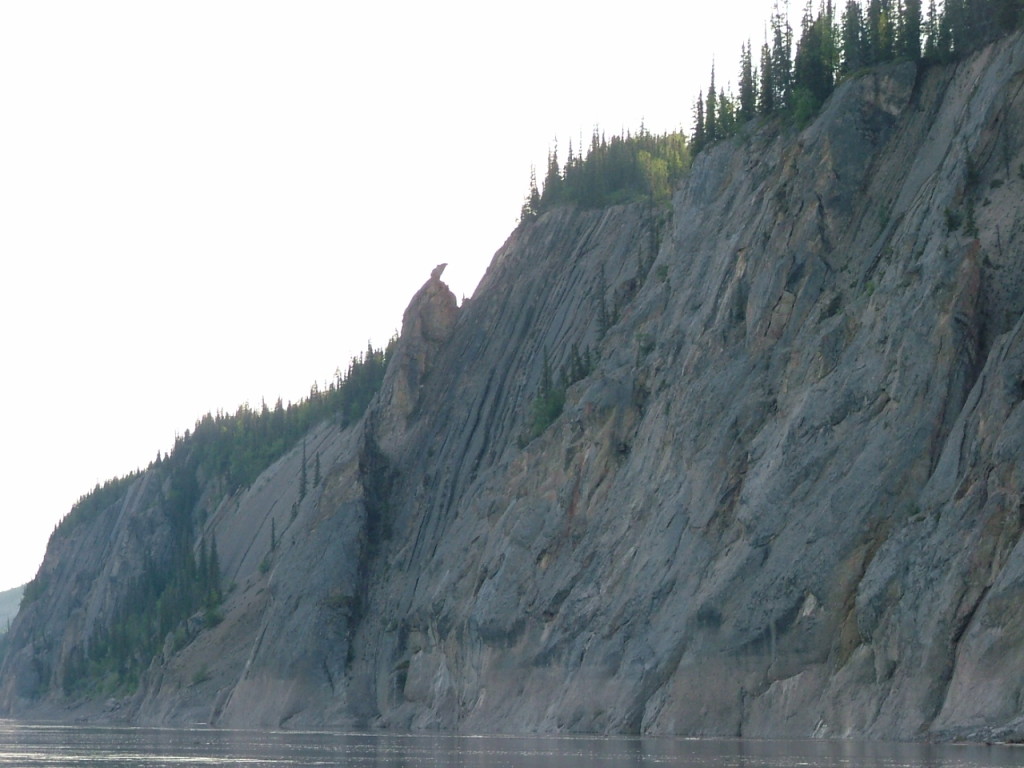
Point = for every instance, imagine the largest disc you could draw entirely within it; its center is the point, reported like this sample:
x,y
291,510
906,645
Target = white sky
x,y
204,203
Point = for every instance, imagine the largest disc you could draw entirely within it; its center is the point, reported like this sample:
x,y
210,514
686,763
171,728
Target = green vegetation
x,y
954,220
179,591
33,590
625,168
794,76
833,44
239,447
547,405
85,509
159,603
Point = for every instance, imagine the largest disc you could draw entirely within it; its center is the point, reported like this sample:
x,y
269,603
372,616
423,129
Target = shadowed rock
x,y
785,501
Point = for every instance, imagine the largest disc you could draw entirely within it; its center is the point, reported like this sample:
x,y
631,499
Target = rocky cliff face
x,y
9,601
786,500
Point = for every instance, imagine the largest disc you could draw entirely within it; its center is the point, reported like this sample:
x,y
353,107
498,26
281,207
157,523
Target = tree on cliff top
x,y
624,168
796,83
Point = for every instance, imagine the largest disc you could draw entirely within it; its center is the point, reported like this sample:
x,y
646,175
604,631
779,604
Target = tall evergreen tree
x,y
782,58
1009,15
766,93
814,66
711,132
748,87
531,206
699,136
879,31
553,179
807,19
910,30
726,114
944,39
931,32
852,39
981,21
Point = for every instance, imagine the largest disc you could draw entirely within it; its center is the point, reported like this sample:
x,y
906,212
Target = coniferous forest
x,y
616,170
789,79
789,76
835,42
180,594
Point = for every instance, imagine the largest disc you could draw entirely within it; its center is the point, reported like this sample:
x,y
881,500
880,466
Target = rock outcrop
x,y
785,501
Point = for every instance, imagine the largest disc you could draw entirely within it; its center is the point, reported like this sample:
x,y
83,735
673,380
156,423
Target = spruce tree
x,y
931,32
766,93
910,30
1008,15
946,41
814,65
699,136
853,38
879,32
710,111
552,194
808,18
726,114
531,206
748,88
782,58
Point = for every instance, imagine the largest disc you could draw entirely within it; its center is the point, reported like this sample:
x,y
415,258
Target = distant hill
x,y
9,602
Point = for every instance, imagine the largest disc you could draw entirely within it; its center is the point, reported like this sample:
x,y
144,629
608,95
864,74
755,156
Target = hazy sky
x,y
207,203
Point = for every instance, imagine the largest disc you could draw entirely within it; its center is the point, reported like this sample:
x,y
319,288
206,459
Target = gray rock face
x,y
9,601
787,501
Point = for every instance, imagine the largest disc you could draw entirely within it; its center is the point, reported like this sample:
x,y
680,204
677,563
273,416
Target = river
x,y
68,746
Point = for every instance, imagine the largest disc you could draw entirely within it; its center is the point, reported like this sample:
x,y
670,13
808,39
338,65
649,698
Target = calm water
x,y
49,745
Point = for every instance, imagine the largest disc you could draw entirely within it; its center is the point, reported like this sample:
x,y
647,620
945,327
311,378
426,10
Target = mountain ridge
x,y
784,501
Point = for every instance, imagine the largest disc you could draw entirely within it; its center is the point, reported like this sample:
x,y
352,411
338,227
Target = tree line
x,y
835,42
621,169
792,74
227,453
238,447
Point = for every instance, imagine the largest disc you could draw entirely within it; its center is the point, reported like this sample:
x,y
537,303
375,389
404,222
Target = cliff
x,y
9,601
785,499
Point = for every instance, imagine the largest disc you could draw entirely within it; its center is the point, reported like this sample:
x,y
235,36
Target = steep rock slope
x,y
9,601
786,500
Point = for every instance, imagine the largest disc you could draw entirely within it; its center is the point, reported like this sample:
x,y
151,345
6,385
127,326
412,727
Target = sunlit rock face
x,y
784,501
